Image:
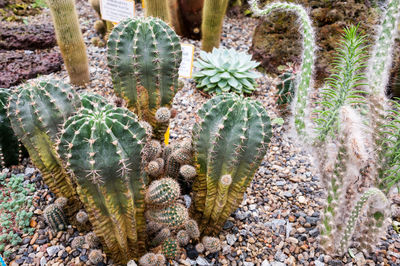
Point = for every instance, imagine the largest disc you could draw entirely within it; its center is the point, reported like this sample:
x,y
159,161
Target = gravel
x,y
276,222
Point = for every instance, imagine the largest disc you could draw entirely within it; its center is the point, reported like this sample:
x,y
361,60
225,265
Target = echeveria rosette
x,y
226,70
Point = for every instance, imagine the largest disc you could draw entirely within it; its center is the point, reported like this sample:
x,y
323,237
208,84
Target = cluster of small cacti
x,y
151,259
55,217
144,55
347,137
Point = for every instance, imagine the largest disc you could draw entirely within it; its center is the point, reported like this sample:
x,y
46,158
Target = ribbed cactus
x,y
102,146
144,55
55,217
36,111
211,25
157,9
163,192
183,237
11,149
286,87
230,142
70,40
148,259
161,236
347,136
172,216
211,244
170,248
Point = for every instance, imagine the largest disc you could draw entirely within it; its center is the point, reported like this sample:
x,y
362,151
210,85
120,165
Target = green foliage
x,y
286,90
226,70
15,201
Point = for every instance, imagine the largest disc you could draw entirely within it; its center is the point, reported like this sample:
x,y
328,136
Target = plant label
x,y
186,67
117,10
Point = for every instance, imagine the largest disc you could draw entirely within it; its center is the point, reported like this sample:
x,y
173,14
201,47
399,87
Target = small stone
x,y
52,250
230,239
265,263
34,238
246,263
43,261
228,225
202,261
280,256
301,199
319,263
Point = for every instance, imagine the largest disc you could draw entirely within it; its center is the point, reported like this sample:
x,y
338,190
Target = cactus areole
x,y
230,142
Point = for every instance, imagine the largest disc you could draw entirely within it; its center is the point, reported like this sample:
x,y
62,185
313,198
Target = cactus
x,y
211,25
286,89
148,259
102,146
11,149
61,202
95,256
82,217
230,142
153,227
170,248
153,169
70,40
160,259
199,248
78,242
162,192
92,240
144,55
36,111
152,150
172,216
188,172
183,238
211,244
192,229
161,236
157,9
55,217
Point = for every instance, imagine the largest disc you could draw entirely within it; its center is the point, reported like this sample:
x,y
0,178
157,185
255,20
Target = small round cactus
x,y
61,202
170,248
199,248
153,169
163,192
188,172
152,150
172,216
54,217
148,259
153,227
82,217
163,115
211,244
95,256
161,236
92,240
160,259
181,156
100,27
147,127
183,237
78,242
192,229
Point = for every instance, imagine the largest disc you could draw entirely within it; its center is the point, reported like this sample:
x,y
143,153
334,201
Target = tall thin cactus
x,y
211,25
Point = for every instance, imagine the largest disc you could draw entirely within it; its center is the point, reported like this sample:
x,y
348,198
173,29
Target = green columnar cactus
x,y
102,145
172,216
70,40
230,142
211,25
55,217
300,109
10,148
157,9
36,111
286,90
144,55
163,192
183,238
192,229
170,248
161,236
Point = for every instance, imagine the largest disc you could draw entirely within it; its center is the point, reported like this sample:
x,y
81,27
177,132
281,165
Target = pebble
x,y
231,239
52,250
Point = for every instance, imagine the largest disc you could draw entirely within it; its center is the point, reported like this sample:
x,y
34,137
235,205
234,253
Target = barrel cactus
x,y
144,55
230,142
11,149
102,145
55,217
37,111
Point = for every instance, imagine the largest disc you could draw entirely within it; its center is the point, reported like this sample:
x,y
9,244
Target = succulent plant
x,y
11,149
37,110
61,202
199,248
92,240
170,248
172,216
55,217
95,256
163,192
102,146
161,236
148,259
230,142
211,244
211,26
286,88
78,242
144,55
183,238
188,172
225,70
82,219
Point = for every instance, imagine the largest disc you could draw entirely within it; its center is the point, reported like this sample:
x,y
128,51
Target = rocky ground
x,y
276,223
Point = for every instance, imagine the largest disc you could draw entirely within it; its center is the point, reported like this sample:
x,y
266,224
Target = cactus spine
x,y
10,148
54,217
157,9
229,142
211,26
102,146
70,40
36,111
144,55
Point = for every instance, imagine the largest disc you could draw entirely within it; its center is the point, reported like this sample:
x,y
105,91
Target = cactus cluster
x,y
55,217
229,142
348,136
144,55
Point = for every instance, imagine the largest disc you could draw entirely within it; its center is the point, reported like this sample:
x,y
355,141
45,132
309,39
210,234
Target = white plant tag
x,y
186,67
117,10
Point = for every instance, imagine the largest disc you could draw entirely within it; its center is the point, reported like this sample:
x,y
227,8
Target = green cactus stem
x,y
70,40
157,9
102,146
161,236
286,90
55,217
11,150
211,25
37,111
163,192
172,216
231,139
148,259
170,248
144,55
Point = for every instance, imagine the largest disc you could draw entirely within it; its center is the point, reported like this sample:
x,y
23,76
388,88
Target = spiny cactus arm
x,y
157,9
304,83
211,25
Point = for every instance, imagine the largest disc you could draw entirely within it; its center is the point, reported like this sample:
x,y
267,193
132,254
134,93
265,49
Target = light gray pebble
x,y
202,261
52,250
230,239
